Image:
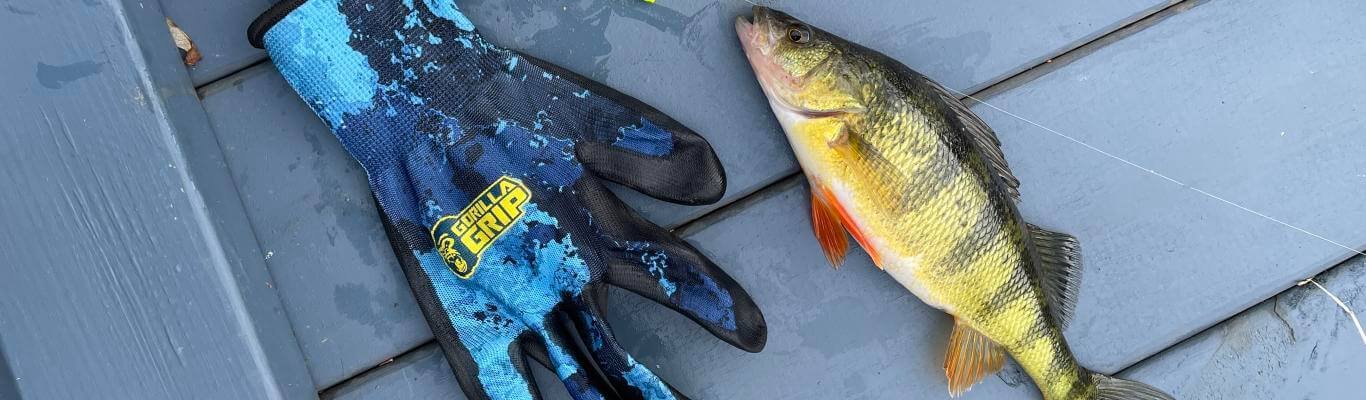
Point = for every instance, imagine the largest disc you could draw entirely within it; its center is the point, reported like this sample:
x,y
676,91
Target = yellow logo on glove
x,y
462,238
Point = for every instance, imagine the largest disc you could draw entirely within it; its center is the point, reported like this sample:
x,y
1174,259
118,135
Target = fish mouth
x,y
759,40
755,36
748,31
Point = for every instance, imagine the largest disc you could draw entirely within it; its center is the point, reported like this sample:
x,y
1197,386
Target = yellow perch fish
x,y
921,184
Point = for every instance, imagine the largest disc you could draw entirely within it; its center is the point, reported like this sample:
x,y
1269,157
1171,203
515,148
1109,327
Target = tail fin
x,y
1111,388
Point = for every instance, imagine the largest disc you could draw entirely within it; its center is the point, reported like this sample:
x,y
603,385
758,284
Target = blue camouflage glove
x,y
487,168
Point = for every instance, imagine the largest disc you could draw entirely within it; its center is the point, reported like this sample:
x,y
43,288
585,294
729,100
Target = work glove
x,y
487,166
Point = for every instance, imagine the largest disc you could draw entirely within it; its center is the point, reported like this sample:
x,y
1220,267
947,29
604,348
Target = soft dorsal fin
x,y
981,136
1059,267
825,222
971,356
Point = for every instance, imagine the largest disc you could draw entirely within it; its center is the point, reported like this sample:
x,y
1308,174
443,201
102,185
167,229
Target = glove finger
x,y
631,143
535,350
671,272
482,367
565,359
631,379
652,262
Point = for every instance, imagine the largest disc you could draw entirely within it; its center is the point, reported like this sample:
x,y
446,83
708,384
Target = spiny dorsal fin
x,y
825,222
1059,267
981,137
971,356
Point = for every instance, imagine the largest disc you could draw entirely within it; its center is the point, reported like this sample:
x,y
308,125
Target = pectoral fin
x,y
840,138
826,223
971,356
830,220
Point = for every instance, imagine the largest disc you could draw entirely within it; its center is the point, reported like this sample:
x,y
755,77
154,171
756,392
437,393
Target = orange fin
x,y
971,356
825,222
859,237
822,199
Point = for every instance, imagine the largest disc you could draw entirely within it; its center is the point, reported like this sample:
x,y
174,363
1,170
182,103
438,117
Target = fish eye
x,y
799,34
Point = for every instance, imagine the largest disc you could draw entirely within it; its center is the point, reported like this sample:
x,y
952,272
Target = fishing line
x,y
1153,172
1360,332
1161,175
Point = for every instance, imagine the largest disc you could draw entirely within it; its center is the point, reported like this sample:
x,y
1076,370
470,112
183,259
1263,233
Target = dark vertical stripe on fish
x,y
980,240
1014,289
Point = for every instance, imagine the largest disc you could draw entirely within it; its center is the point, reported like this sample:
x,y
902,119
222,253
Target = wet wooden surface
x,y
129,270
1254,102
1297,345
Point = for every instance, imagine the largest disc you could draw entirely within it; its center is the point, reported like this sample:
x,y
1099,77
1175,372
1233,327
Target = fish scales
x,y
946,191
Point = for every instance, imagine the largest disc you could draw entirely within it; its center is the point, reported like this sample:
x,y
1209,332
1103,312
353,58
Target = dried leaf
x,y
188,52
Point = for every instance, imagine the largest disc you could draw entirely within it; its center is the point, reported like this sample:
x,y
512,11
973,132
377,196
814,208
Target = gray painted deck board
x,y
308,204
129,270
1298,345
1202,96
963,43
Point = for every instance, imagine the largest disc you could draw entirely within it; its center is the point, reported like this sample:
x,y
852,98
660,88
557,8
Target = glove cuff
x,y
310,42
256,33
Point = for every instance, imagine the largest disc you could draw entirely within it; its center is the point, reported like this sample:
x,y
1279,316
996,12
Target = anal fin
x,y
971,356
1059,268
826,223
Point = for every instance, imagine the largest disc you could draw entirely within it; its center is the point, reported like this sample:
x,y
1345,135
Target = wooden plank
x,y
343,289
1297,345
130,271
1202,96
